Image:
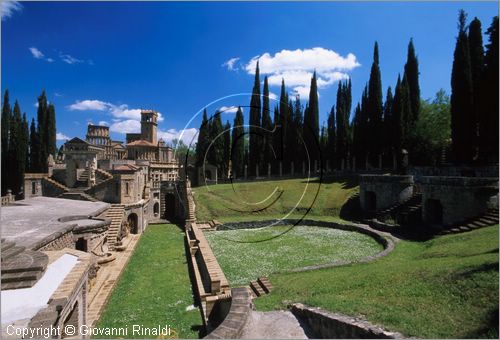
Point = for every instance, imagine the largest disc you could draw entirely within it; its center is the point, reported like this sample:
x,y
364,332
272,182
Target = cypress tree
x,y
388,123
476,52
374,107
238,145
14,162
342,122
215,153
488,119
298,144
227,148
311,121
330,145
284,119
203,140
462,122
356,135
267,127
25,142
255,137
51,130
42,131
277,140
6,117
34,148
411,73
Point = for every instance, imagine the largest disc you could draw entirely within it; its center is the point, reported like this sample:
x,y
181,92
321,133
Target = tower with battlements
x,y
149,126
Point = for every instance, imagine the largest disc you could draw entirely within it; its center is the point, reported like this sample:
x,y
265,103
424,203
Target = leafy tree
x,y
255,136
462,119
238,145
488,119
432,131
6,117
182,151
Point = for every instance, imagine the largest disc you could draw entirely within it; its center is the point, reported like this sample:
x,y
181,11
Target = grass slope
x,y
227,202
445,287
155,288
291,248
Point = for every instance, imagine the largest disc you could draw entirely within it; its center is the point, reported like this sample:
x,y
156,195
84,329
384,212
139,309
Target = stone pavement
x,y
107,277
274,325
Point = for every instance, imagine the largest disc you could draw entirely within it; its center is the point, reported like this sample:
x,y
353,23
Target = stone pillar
x,y
246,171
268,170
380,162
292,169
281,169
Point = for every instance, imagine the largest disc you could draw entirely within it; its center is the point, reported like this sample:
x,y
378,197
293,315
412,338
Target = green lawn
x,y
445,287
273,199
282,248
155,288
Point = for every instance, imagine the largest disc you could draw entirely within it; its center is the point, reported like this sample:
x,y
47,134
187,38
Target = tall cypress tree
x,y
284,115
342,121
476,52
311,121
42,131
215,154
488,119
356,135
51,130
277,139
330,147
227,148
203,140
462,122
267,127
14,162
25,133
238,145
388,123
374,108
34,148
298,144
6,117
411,73
255,137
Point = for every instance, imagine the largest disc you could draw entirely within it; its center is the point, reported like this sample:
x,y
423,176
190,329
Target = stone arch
x,y
133,222
433,211
156,209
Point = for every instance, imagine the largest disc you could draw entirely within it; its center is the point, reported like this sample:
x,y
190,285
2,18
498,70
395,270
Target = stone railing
x,y
8,199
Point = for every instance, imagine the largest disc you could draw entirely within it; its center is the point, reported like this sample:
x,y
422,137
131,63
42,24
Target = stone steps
x,y
11,252
56,183
261,286
489,218
116,214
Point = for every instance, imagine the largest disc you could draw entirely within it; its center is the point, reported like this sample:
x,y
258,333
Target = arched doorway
x,y
156,209
132,223
370,200
170,207
433,211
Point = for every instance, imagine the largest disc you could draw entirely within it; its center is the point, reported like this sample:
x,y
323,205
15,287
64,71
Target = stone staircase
x,y
116,214
404,213
78,194
191,205
261,286
102,176
21,268
83,176
489,218
55,183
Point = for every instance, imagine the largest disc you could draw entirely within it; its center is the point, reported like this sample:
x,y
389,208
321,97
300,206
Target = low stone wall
x,y
457,198
337,326
236,318
381,191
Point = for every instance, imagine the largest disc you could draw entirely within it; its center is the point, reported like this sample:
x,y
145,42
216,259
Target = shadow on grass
x,y
348,182
490,328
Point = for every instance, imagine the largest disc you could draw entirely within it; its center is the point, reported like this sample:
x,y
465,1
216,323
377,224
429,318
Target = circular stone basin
x,y
291,248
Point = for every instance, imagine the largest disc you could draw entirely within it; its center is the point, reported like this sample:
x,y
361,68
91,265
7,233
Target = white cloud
x,y
69,59
228,109
7,8
126,126
37,54
231,64
89,105
297,67
103,122
186,135
273,96
57,94
61,136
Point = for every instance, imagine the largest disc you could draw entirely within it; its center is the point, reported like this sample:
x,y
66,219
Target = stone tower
x,y
149,126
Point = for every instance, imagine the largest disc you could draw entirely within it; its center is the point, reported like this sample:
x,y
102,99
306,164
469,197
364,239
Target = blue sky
x,y
103,61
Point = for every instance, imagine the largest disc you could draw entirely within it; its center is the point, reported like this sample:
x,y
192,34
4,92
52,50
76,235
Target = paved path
x,y
274,325
107,277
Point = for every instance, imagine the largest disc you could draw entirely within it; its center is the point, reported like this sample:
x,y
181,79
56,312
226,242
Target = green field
x,y
273,199
281,248
155,288
446,287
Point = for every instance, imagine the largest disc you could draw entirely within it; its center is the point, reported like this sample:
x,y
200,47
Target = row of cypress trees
x,y
25,149
474,93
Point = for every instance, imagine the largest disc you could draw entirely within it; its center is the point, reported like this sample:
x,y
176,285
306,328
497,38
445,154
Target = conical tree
x,y
255,136
411,73
476,52
203,140
51,130
488,118
267,127
6,117
227,148
15,146
238,145
42,113
215,154
331,127
388,123
284,119
375,107
311,121
34,148
462,119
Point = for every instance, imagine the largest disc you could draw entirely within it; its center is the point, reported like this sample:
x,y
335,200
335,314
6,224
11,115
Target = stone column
x,y
292,168
281,169
268,170
246,171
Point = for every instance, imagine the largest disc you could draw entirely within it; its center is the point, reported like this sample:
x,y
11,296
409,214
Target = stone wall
x,y
337,326
382,191
459,197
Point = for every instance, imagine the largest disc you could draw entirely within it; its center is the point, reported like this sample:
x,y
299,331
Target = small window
x,y
126,188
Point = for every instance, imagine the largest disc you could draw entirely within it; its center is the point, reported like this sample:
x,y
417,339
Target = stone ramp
x,y
275,325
